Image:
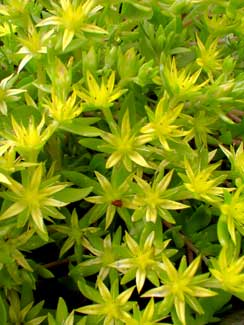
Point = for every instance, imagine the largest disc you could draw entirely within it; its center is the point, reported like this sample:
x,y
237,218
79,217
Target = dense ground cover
x,y
121,161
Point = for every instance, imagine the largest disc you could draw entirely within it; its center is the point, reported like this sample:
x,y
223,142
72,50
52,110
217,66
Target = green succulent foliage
x,y
143,261
75,233
228,270
181,287
62,315
20,313
121,161
111,306
149,315
105,252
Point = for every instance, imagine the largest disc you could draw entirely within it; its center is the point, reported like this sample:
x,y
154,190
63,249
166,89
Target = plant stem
x,y
109,119
54,264
40,80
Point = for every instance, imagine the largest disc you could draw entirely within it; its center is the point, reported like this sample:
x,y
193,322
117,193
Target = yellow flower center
x,y
73,18
179,286
152,199
125,144
113,310
31,198
199,185
144,260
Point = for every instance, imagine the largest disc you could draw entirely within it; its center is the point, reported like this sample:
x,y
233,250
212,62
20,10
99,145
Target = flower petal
x,y
13,210
93,29
140,279
138,159
67,38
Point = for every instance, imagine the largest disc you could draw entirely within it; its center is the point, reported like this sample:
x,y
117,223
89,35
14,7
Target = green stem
x,y
41,78
55,151
109,119
32,156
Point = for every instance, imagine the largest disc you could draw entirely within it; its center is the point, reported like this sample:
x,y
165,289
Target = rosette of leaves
x,y
139,103
181,287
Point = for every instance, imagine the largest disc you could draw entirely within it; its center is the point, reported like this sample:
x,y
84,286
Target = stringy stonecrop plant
x,y
121,161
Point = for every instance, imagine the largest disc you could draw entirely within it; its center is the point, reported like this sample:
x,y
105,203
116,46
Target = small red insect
x,y
117,203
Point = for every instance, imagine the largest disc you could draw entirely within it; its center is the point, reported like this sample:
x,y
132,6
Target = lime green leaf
x,y
70,319
94,144
43,272
67,37
89,292
51,320
36,321
62,311
81,126
93,29
35,310
82,180
69,195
